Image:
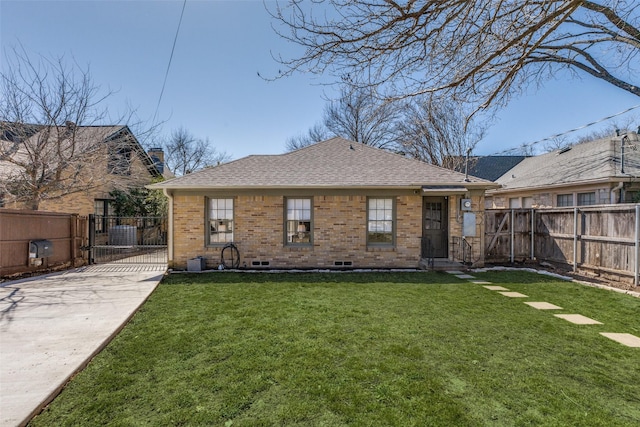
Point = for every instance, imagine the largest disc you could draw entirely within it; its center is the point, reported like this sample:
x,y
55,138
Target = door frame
x,y
427,248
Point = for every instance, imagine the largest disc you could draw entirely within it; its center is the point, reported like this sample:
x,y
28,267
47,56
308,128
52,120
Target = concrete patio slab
x,y
464,276
495,288
625,339
578,319
481,282
455,272
513,294
543,305
53,325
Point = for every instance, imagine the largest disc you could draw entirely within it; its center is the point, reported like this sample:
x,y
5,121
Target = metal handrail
x,y
427,251
467,252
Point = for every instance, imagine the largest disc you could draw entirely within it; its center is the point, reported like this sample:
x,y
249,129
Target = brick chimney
x,y
157,156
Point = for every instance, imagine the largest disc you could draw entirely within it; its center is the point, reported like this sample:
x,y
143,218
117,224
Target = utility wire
x,y
166,74
531,144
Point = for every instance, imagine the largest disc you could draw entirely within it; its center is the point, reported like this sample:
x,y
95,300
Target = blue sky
x,y
213,88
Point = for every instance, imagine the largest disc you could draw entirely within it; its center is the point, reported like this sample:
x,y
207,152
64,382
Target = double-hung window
x,y
564,200
380,221
220,221
298,221
585,199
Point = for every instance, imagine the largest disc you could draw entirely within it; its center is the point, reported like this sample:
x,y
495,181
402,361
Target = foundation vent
x,y
343,263
260,263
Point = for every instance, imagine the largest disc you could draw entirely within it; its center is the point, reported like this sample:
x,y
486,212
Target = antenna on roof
x,y
466,167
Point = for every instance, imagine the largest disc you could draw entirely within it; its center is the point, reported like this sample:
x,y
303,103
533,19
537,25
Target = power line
x,y
166,74
531,144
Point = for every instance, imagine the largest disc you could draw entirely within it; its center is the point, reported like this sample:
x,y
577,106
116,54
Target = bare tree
x,y
477,51
49,141
358,115
436,131
611,130
316,133
185,153
557,143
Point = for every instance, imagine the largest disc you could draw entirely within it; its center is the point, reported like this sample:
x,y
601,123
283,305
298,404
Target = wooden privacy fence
x,y
66,232
602,239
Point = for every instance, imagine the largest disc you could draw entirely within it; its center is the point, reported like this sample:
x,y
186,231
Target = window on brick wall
x,y
119,161
101,211
585,199
380,221
220,221
298,221
564,200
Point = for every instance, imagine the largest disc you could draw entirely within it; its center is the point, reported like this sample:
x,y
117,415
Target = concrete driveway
x,y
51,326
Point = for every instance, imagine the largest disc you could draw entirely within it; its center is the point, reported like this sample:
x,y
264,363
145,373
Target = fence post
x,y
533,224
92,236
73,249
513,237
575,240
636,269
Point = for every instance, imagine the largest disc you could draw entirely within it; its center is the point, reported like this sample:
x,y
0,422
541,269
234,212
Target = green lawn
x,y
362,349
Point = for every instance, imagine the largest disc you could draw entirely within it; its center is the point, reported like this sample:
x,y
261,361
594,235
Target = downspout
x,y
614,190
169,195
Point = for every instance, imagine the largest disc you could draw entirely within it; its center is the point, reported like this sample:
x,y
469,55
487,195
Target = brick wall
x,y
339,232
82,202
456,223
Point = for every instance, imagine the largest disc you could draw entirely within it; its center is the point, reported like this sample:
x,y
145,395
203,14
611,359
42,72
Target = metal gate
x,y
127,240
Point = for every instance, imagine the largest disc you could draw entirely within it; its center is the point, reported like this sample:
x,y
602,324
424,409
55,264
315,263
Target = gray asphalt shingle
x,y
329,164
586,162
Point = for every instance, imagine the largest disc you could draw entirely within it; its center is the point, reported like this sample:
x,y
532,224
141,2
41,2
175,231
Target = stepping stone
x,y
513,294
624,339
480,282
464,276
455,272
495,288
578,319
543,306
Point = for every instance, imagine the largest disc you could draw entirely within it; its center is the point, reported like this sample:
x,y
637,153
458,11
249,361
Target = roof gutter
x,y
443,187
505,190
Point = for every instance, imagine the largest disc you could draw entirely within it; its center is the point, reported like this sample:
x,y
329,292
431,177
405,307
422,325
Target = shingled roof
x,y
490,167
335,163
588,162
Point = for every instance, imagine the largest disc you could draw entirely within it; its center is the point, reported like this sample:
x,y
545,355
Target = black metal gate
x,y
127,240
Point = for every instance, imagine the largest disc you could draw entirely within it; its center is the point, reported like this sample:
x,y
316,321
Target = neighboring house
x,y
605,171
334,204
92,161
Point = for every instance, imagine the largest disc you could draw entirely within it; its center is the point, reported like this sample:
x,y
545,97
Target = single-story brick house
x,y
334,204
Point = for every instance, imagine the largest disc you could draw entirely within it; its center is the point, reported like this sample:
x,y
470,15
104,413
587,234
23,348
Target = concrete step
x,y
441,264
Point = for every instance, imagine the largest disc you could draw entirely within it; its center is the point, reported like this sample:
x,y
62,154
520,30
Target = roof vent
x,y
564,150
